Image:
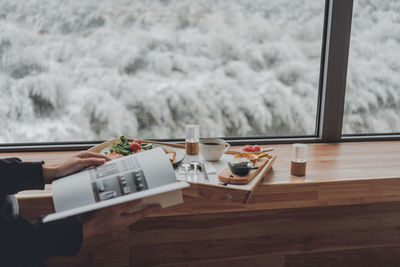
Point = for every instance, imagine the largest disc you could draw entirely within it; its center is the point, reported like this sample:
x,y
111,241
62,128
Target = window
x,y
372,103
93,70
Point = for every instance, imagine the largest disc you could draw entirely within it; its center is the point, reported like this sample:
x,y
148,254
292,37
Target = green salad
x,y
128,148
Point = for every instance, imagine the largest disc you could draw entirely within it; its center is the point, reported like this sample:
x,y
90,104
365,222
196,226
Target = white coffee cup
x,y
212,148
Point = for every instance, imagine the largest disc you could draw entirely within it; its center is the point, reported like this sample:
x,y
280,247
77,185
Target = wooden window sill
x,y
337,174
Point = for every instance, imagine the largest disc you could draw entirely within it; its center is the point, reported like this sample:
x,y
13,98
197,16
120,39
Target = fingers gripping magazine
x,y
148,175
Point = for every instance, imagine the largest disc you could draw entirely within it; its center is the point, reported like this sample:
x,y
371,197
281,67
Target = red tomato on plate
x,y
248,148
135,147
256,148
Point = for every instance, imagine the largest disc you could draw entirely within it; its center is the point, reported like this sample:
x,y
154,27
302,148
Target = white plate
x,y
180,154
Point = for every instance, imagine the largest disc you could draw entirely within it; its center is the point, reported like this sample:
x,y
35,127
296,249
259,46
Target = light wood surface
x,y
344,212
337,174
326,162
227,176
290,237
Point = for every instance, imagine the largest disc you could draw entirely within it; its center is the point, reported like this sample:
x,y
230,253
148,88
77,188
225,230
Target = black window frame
x,y
331,95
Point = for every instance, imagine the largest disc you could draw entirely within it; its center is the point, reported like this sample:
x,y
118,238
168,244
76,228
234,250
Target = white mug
x,y
212,148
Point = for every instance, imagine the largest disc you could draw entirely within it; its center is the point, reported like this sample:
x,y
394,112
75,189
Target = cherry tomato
x,y
139,141
248,148
135,147
256,148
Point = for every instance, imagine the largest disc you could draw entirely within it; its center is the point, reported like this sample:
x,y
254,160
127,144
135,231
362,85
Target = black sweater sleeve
x,y
16,176
22,241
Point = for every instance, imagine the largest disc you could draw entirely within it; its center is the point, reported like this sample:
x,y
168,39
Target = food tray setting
x,y
212,180
207,181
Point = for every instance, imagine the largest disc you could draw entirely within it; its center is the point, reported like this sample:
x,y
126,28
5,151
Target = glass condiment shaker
x,y
192,138
299,160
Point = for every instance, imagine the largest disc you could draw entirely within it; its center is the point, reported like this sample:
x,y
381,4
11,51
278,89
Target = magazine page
x,y
115,179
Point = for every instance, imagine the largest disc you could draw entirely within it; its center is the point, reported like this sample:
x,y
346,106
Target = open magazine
x,y
148,175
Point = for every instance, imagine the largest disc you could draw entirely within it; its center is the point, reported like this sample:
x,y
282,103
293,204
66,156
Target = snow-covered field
x,y
373,80
90,70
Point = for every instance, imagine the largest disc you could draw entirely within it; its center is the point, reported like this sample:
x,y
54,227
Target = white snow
x,y
91,70
373,81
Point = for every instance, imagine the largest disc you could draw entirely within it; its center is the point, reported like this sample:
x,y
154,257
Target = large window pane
x,y
373,81
90,70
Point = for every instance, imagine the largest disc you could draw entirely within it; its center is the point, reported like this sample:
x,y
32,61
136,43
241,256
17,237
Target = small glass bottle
x,y
299,160
192,138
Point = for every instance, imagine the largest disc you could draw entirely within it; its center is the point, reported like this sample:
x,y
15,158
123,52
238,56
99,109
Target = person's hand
x,y
114,218
76,163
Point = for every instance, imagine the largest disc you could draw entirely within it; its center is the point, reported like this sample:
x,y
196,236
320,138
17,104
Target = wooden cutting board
x,y
226,176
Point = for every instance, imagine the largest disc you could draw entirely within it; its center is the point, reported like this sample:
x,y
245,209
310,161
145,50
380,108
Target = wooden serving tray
x,y
228,193
213,189
226,176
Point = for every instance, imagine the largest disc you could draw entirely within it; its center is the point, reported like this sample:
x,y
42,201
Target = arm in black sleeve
x,y
16,176
24,242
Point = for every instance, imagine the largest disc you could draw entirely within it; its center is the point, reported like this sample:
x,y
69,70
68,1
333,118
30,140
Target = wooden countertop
x,y
345,210
337,174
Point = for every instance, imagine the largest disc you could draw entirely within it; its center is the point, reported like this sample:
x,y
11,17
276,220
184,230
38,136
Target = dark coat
x,y
25,243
